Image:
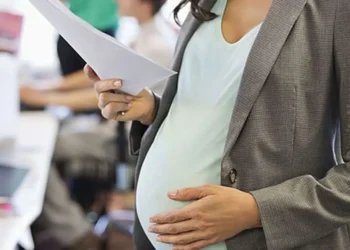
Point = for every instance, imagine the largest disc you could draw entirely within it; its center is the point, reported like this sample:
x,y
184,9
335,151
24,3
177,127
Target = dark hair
x,y
156,5
196,10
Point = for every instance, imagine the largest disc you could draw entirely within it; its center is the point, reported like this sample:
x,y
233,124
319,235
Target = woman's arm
x,y
77,100
73,81
304,209
138,130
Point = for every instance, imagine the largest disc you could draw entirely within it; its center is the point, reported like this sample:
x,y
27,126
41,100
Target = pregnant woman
x,y
239,152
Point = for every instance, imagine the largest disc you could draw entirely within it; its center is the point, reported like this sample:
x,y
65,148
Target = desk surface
x,y
34,147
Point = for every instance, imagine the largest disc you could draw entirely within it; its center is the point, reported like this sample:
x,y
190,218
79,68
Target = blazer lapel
x,y
269,42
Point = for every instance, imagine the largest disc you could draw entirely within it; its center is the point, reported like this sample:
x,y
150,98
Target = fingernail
x,y
158,238
129,98
118,83
172,194
151,229
151,220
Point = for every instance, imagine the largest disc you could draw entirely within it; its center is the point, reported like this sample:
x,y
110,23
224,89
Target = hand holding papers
x,y
108,58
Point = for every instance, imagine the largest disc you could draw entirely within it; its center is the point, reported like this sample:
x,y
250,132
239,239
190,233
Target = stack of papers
x,y
109,58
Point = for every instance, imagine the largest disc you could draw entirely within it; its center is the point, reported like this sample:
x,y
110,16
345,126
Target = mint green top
x,y
102,14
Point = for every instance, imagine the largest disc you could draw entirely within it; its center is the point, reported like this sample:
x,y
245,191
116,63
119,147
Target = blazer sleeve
x,y
304,209
138,130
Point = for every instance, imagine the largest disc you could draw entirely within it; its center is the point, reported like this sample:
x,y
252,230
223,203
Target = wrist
x,y
253,213
49,99
149,116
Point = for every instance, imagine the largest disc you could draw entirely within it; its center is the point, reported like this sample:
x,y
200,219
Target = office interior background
x,y
35,133
39,36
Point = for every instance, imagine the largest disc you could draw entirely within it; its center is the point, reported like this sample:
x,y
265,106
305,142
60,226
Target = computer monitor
x,y
10,180
10,33
9,103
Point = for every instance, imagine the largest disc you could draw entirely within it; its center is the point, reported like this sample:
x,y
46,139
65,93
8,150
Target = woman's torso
x,y
189,146
286,114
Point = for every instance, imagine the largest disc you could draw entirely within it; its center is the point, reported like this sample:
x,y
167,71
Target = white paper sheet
x,y
109,58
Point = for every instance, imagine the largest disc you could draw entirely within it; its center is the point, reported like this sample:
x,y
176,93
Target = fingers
x,y
192,193
90,73
173,229
182,239
102,86
177,215
114,106
107,85
105,98
113,110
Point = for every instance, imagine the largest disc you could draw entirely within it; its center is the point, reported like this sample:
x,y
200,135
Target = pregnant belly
x,y
156,180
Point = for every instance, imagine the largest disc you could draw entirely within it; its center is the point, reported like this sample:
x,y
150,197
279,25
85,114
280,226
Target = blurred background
x,y
45,40
68,171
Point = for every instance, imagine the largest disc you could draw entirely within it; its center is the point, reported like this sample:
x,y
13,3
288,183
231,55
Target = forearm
x,y
138,130
73,81
78,100
304,209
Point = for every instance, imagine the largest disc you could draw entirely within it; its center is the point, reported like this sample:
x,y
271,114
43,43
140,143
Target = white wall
x,y
38,37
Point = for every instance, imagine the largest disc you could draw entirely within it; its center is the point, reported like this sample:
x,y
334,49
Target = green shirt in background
x,y
102,14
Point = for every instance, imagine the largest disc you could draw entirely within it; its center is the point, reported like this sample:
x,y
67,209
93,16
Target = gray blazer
x,y
280,147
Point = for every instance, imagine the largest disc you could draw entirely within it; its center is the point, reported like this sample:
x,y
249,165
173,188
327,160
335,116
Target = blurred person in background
x,y
156,40
99,14
62,216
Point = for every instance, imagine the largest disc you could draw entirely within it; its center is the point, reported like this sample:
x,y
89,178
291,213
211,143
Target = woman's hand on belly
x,y
217,213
